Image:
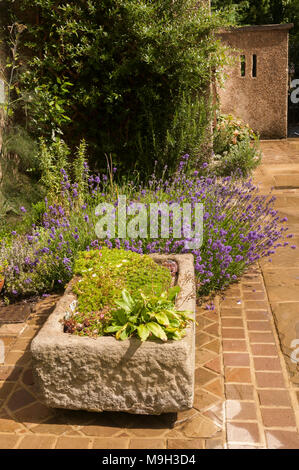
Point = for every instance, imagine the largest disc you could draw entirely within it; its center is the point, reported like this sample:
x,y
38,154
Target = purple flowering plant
x,y
240,227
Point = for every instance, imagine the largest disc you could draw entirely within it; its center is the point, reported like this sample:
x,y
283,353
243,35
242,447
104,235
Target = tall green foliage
x,y
117,73
266,12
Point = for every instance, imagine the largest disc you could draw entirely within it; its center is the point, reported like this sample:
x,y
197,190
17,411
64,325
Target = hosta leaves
x,y
162,318
151,316
127,303
157,331
112,329
143,332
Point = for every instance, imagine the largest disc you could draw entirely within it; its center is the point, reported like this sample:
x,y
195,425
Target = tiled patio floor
x,y
243,396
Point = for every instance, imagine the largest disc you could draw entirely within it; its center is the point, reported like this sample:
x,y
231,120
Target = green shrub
x,y
236,147
120,74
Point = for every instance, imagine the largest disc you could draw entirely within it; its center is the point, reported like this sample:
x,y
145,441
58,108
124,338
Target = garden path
x,y
280,171
243,395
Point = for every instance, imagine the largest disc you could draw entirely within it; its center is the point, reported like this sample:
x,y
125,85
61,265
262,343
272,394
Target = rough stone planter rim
x,y
54,351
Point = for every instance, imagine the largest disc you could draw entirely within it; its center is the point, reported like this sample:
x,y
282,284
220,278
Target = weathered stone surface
x,y
105,374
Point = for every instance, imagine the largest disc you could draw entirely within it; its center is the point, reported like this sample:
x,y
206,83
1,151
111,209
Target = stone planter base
x,y
104,374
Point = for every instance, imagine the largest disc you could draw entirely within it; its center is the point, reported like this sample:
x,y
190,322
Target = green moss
x,y
105,273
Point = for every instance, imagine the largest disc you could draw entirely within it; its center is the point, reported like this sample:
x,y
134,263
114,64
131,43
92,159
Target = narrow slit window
x,y
243,65
254,65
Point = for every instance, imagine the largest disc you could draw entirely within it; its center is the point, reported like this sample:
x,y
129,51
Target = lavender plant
x,y
240,227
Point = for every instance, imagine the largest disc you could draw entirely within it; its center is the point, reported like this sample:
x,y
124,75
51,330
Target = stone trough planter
x,y
104,374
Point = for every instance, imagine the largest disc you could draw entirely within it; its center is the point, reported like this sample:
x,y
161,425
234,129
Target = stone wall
x,y
260,96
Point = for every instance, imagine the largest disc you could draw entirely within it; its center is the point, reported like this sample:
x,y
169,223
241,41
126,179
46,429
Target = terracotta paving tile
x,y
214,346
183,416
231,312
147,444
34,414
37,442
256,337
264,349
233,292
6,389
259,326
19,399
258,315
19,357
270,380
216,414
21,344
213,329
8,441
215,387
214,365
11,329
256,305
213,444
10,373
274,398
250,286
236,359
30,332
202,338
232,323
27,377
8,342
278,417
199,427
146,431
203,376
203,399
230,303
254,295
267,363
203,322
243,432
282,439
7,424
238,374
202,356
233,333
240,410
239,392
230,345
213,316
112,443
100,430
185,444
73,443
52,426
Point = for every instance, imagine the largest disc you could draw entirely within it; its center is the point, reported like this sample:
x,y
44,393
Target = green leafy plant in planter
x,y
153,317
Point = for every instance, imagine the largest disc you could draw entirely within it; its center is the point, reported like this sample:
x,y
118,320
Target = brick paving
x,y
243,395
